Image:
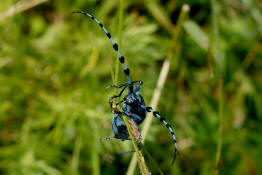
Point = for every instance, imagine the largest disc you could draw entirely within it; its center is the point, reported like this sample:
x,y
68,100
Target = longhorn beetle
x,y
133,105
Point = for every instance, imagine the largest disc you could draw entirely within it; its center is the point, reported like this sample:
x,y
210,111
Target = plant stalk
x,y
220,129
120,25
141,161
219,61
161,80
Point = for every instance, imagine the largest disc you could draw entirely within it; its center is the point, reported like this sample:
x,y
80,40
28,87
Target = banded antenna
x,y
115,46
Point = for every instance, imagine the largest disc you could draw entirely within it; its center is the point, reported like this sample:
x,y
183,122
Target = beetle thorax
x,y
133,100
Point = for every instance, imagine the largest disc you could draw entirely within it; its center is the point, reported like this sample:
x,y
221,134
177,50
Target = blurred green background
x,y
55,65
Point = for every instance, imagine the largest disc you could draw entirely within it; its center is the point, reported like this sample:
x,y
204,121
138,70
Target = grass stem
x,y
120,25
141,161
218,60
220,129
160,83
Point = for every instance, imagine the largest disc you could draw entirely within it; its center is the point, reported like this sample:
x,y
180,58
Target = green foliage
x,y
197,34
55,65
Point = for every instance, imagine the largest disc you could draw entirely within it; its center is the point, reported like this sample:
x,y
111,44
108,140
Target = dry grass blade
x,y
20,7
